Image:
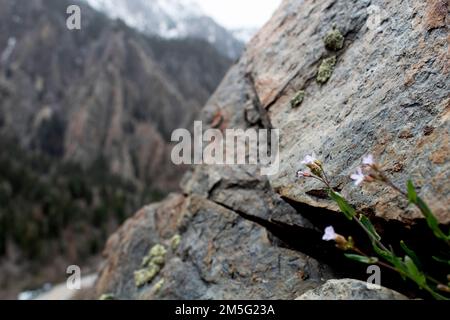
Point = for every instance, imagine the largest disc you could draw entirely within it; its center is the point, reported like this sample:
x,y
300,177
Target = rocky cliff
x,y
103,91
380,85
85,124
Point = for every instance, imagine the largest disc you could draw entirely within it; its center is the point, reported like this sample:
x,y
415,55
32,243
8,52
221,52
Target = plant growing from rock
x,y
408,265
334,40
326,69
151,265
298,98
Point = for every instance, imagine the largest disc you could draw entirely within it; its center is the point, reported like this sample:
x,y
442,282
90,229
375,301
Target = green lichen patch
x,y
156,255
107,296
146,275
175,242
158,286
157,250
151,265
334,40
298,99
158,260
326,69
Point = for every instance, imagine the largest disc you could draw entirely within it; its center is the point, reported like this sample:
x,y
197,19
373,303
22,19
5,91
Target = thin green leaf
x,y
412,194
344,206
436,295
411,254
370,227
390,257
432,222
399,265
444,261
414,272
386,255
362,259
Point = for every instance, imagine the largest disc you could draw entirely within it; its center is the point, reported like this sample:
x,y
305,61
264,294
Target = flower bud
x,y
318,163
315,168
443,288
341,242
344,244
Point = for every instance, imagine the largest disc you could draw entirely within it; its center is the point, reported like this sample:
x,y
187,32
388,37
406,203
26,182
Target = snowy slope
x,y
171,19
244,34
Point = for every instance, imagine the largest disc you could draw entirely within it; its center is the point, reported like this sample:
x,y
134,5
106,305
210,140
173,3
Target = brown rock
x,y
437,14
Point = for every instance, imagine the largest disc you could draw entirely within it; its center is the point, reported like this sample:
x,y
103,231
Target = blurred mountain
x,y
103,91
172,19
85,120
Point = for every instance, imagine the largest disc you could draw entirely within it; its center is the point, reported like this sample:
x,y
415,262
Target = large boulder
x,y
383,89
350,289
387,95
211,253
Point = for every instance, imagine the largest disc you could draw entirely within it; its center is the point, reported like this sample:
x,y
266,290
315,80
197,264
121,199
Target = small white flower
x,y
309,159
329,235
358,177
368,160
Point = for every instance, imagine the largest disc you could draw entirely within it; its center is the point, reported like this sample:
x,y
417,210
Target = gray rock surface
x,y
350,289
220,256
389,87
388,95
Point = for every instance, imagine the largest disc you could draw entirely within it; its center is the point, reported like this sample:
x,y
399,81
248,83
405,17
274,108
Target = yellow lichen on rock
x,y
175,242
156,255
151,265
334,40
107,296
298,99
326,69
144,276
158,286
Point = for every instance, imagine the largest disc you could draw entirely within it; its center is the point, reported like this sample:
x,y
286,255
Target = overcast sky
x,y
240,13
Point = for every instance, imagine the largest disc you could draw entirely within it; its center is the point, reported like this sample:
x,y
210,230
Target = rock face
x,y
221,255
350,289
386,93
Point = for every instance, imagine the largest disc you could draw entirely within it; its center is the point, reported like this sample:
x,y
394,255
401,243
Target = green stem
x,y
380,244
418,205
387,266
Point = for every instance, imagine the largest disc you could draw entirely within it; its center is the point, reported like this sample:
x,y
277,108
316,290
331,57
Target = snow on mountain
x,y
244,34
171,19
